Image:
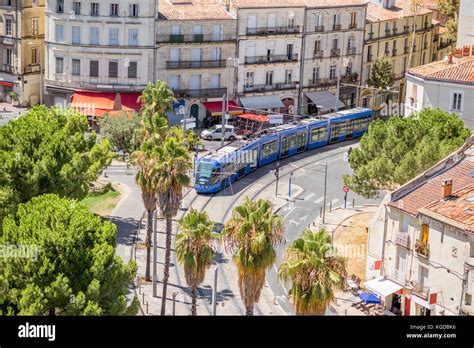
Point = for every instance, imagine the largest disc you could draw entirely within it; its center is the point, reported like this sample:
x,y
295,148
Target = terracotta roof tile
x,y
457,210
192,10
401,9
296,3
461,70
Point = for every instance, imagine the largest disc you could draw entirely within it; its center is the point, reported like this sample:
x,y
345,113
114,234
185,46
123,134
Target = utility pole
x,y
184,129
277,174
155,278
289,185
214,292
223,120
325,184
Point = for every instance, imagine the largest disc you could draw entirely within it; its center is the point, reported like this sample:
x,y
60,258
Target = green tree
x,y
48,151
173,162
450,10
72,268
381,74
191,138
252,234
314,272
119,129
393,152
194,249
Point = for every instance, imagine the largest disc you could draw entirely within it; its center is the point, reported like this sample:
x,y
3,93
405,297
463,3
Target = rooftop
x,y
296,3
192,10
459,71
457,210
401,9
427,187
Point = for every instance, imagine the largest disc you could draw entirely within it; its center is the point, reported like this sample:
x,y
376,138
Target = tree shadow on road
x,y
126,229
205,292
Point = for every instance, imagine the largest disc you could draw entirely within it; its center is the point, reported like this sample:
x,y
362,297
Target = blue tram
x,y
231,162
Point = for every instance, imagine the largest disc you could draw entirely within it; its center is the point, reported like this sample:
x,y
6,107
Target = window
x,y
288,75
113,69
59,32
468,299
401,261
94,9
367,73
249,79
332,72
76,67
319,22
337,19
114,10
94,39
8,26
215,80
76,34
60,6
35,26
269,149
132,70
8,2
291,19
317,46
423,275
173,82
425,229
353,19
269,77
335,43
59,65
113,36
133,10
94,68
318,134
76,7
34,55
133,37
9,56
456,101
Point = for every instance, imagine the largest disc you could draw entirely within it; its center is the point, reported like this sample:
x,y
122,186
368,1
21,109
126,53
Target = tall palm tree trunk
x,y
166,272
149,231
193,301
249,311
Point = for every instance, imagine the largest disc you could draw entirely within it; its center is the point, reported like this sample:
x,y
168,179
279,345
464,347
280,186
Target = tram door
x,y
285,146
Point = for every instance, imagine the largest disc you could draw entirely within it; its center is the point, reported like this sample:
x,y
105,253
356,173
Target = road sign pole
x,y
325,184
277,174
289,186
345,200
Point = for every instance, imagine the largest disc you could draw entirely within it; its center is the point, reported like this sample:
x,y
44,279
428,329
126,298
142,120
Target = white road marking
x,y
311,195
334,202
319,200
284,218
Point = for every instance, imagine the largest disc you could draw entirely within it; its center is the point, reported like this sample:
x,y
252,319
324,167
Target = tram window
x,y
227,170
269,149
285,145
318,134
335,130
215,176
343,127
254,158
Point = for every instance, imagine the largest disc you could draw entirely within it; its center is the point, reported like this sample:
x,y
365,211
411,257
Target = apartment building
x,y
21,47
421,243
99,52
446,84
389,32
196,47
465,24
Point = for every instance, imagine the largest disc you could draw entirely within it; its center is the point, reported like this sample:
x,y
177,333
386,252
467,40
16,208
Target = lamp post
x,y
289,185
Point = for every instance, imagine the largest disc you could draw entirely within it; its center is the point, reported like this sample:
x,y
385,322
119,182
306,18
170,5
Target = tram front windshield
x,y
207,174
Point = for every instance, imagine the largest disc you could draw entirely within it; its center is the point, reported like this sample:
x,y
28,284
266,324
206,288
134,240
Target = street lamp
x,y
289,185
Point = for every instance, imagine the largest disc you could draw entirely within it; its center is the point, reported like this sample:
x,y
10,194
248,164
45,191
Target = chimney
x,y
447,188
450,58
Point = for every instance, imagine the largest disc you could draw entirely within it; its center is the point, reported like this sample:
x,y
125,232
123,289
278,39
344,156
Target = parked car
x,y
216,133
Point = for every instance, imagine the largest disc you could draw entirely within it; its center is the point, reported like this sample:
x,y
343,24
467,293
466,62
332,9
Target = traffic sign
x,y
346,189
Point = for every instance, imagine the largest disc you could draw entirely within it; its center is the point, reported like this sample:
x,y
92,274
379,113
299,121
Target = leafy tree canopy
x,y
48,151
119,130
72,270
381,74
393,152
191,138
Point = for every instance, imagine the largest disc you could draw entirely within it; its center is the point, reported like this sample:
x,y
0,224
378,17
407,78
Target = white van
x,y
216,133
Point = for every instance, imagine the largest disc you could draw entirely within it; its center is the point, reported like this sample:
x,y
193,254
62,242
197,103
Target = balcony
x,y
397,276
403,239
369,57
394,52
321,82
318,54
387,32
386,53
273,30
420,289
283,58
335,52
406,50
351,51
269,87
8,68
200,93
422,249
395,31
371,36
406,28
425,45
190,38
319,28
336,27
352,26
200,64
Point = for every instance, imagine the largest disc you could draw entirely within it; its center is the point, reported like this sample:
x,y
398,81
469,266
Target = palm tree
x,y
194,249
313,271
146,164
156,99
252,233
173,165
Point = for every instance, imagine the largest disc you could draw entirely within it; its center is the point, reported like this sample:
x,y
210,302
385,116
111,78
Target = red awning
x,y
257,118
215,108
97,104
7,84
